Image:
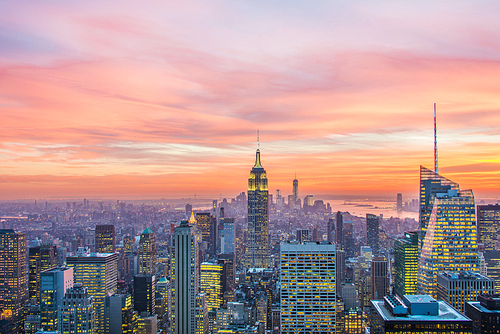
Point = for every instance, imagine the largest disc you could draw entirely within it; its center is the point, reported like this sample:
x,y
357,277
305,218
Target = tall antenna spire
x,y
258,141
435,142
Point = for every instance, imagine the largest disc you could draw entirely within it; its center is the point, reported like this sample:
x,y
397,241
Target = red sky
x,y
154,98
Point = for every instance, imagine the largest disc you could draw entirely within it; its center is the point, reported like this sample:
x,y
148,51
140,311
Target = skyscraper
x,y
98,273
211,286
340,229
257,251
399,202
295,192
76,315
488,226
120,316
147,253
54,284
349,239
379,278
308,291
41,258
13,276
184,278
372,232
449,232
144,294
207,225
406,264
105,238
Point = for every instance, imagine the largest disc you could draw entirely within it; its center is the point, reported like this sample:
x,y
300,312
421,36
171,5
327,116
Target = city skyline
x,y
156,100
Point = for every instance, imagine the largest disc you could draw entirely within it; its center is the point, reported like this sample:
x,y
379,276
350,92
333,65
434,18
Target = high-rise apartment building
x,y
54,284
40,258
257,251
147,253
457,288
308,271
379,278
105,239
295,193
97,272
13,276
450,238
76,314
372,232
406,264
184,279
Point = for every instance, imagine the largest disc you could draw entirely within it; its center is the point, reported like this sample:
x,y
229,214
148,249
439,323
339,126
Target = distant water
x,y
361,208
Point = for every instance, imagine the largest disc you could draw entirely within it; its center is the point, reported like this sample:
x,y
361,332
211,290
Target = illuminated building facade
x,y
307,272
406,264
97,272
54,284
13,276
76,314
303,235
184,279
353,321
457,288
372,232
450,238
257,251
120,316
211,284
147,253
128,245
206,223
40,258
488,226
105,238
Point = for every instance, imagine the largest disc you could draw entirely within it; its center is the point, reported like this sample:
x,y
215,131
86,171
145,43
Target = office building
x,y
128,245
308,271
120,315
372,232
303,235
144,294
295,195
416,314
485,314
406,264
492,260
457,288
147,253
53,286
450,238
40,258
349,244
147,324
340,229
13,276
76,314
184,278
105,239
163,288
257,254
340,267
379,278
211,284
227,242
207,224
330,230
399,202
97,272
353,321
488,226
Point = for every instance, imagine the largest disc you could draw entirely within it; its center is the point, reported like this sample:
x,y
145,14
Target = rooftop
x,y
445,313
463,275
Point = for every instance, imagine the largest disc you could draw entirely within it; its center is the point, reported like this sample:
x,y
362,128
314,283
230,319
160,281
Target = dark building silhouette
x,y
105,239
144,294
372,233
340,230
484,314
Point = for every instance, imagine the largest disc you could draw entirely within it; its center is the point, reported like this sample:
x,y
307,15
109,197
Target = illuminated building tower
x,y
450,239
353,321
227,246
211,286
379,278
163,287
308,271
105,238
431,184
372,232
54,284
41,258
147,253
457,288
207,225
97,272
295,193
303,235
120,316
128,245
488,225
13,276
257,251
406,264
184,279
76,314
144,294
340,228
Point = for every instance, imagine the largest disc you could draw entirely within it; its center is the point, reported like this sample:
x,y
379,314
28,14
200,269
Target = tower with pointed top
x,y
295,192
257,250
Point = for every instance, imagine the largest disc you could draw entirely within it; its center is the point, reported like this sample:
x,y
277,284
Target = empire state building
x,y
257,249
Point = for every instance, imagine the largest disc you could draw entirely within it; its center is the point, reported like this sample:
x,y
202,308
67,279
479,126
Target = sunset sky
x,y
164,98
